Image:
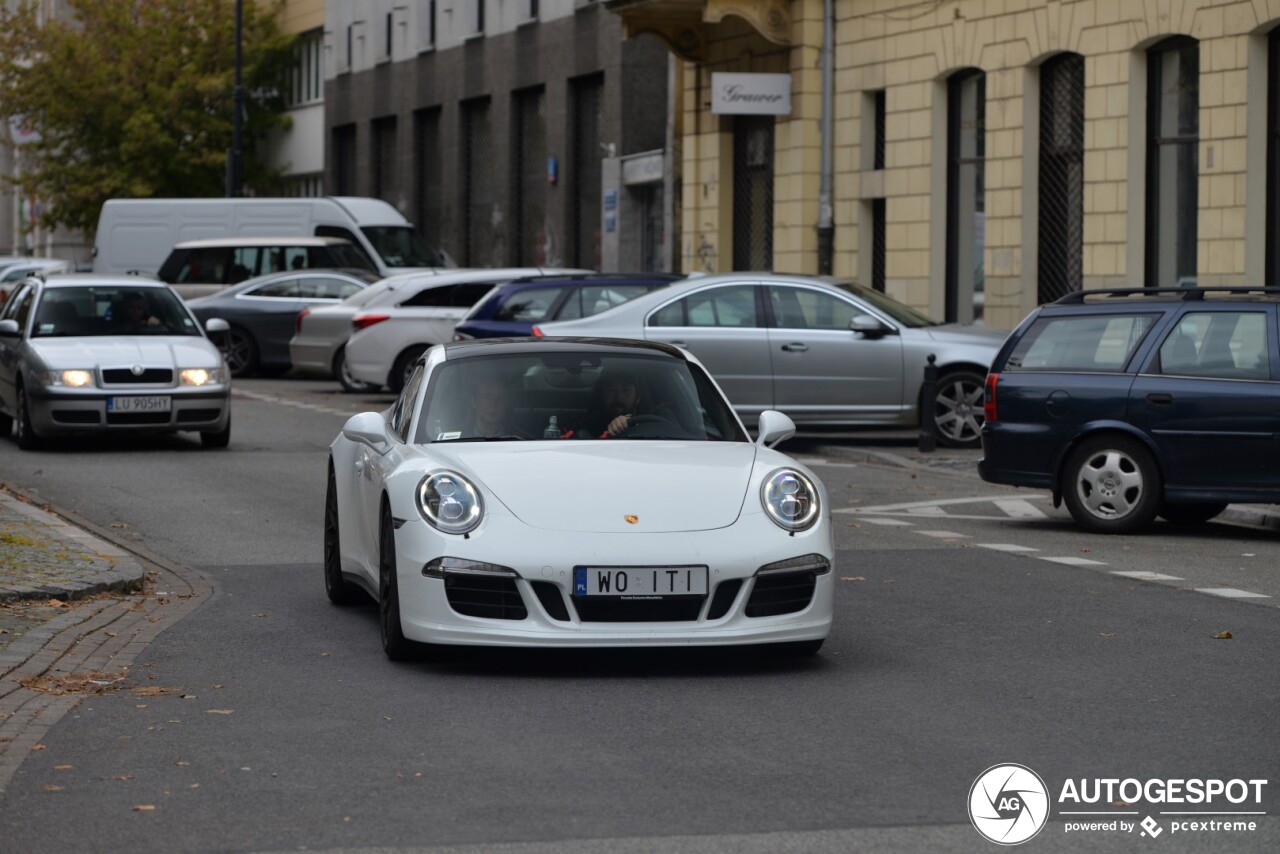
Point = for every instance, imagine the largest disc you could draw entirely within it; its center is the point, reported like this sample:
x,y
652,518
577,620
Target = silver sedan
x,y
87,354
825,352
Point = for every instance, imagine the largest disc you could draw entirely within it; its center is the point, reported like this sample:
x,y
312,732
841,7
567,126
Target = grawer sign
x,y
1010,804
750,94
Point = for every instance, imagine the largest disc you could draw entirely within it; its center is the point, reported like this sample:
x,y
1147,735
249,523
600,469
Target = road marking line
x,y
1149,576
927,511
1072,561
949,535
1020,508
1231,593
940,502
1005,547
876,520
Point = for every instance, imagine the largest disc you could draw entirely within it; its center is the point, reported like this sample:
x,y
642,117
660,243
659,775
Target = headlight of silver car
x,y
78,378
790,499
200,376
450,502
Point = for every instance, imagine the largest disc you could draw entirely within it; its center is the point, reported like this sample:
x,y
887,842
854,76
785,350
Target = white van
x,y
136,235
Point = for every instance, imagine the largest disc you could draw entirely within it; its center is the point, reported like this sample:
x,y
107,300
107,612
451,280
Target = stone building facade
x,y
986,155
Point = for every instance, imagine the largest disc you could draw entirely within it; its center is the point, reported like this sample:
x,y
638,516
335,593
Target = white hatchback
x,y
388,334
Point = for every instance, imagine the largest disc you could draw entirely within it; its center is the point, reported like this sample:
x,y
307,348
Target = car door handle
x,y
676,343
1160,399
359,466
795,347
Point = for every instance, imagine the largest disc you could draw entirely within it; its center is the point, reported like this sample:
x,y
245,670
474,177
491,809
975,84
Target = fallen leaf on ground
x,y
119,524
257,615
39,745
153,691
123,777
1222,636
853,578
220,711
144,808
63,767
57,603
53,788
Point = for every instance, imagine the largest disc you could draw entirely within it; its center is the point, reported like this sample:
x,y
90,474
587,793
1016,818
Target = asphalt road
x,y
283,727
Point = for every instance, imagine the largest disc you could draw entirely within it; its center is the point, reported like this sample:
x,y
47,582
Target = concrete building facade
x,y
987,155
510,132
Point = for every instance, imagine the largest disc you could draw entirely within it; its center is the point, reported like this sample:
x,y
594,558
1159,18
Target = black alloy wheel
x,y
340,591
394,643
241,352
343,373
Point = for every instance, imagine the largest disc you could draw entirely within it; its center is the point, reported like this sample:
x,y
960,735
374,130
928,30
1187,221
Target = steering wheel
x,y
649,426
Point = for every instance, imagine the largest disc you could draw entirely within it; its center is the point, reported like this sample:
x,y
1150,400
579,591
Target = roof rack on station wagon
x,y
1196,293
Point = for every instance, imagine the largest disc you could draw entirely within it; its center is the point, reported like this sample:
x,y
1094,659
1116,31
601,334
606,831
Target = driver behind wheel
x,y
620,396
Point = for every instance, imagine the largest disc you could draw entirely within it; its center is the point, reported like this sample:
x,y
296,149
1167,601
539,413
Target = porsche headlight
x,y
450,502
70,379
790,499
200,376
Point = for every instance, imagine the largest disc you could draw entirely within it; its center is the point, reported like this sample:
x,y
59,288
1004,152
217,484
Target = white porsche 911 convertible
x,y
546,492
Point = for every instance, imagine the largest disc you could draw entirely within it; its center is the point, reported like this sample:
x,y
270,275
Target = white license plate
x,y
140,403
639,581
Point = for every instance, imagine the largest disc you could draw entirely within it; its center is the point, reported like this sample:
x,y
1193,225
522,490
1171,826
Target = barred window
x,y
1061,229
966,210
1173,143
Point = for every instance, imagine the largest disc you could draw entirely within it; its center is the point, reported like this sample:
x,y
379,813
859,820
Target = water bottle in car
x,y
553,429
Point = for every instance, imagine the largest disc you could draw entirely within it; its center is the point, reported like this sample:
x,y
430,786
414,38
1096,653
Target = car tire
x,y
349,383
957,409
394,643
1111,485
241,352
340,591
402,367
1192,512
217,438
28,438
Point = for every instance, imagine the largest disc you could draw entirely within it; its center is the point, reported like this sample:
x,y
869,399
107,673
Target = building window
x,y
878,101
966,149
427,175
385,185
350,46
477,18
306,77
427,25
878,238
1273,159
477,185
1173,142
1061,230
586,180
533,10
386,53
530,178
753,192
344,160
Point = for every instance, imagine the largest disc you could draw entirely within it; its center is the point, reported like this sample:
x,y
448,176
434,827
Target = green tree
x,y
134,98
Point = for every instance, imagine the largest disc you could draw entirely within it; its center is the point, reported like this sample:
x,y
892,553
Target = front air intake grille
x,y
194,416
548,594
601,609
781,593
76,416
149,376
137,418
726,592
485,596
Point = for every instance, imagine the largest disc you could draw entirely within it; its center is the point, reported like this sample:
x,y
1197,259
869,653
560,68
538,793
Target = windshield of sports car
x,y
92,311
574,394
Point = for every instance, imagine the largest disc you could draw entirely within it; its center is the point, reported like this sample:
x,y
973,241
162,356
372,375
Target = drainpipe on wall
x,y
826,223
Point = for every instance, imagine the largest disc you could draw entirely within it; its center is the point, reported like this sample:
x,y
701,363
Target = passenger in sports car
x,y
490,411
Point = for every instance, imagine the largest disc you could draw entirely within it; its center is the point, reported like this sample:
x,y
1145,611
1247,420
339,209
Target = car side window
x,y
593,299
11,307
527,306
733,306
465,296
1219,344
431,296
801,308
284,289
1086,342
22,308
244,264
402,412
203,266
319,287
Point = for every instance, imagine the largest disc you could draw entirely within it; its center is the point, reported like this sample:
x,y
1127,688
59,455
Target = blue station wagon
x,y
1133,403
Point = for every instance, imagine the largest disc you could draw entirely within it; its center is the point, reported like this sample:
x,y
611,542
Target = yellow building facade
x,y
985,155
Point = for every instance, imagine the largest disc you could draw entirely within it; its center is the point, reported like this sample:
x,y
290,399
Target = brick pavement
x,y
75,611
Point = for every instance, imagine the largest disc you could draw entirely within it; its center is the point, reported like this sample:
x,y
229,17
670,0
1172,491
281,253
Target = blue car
x,y
1128,404
513,309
